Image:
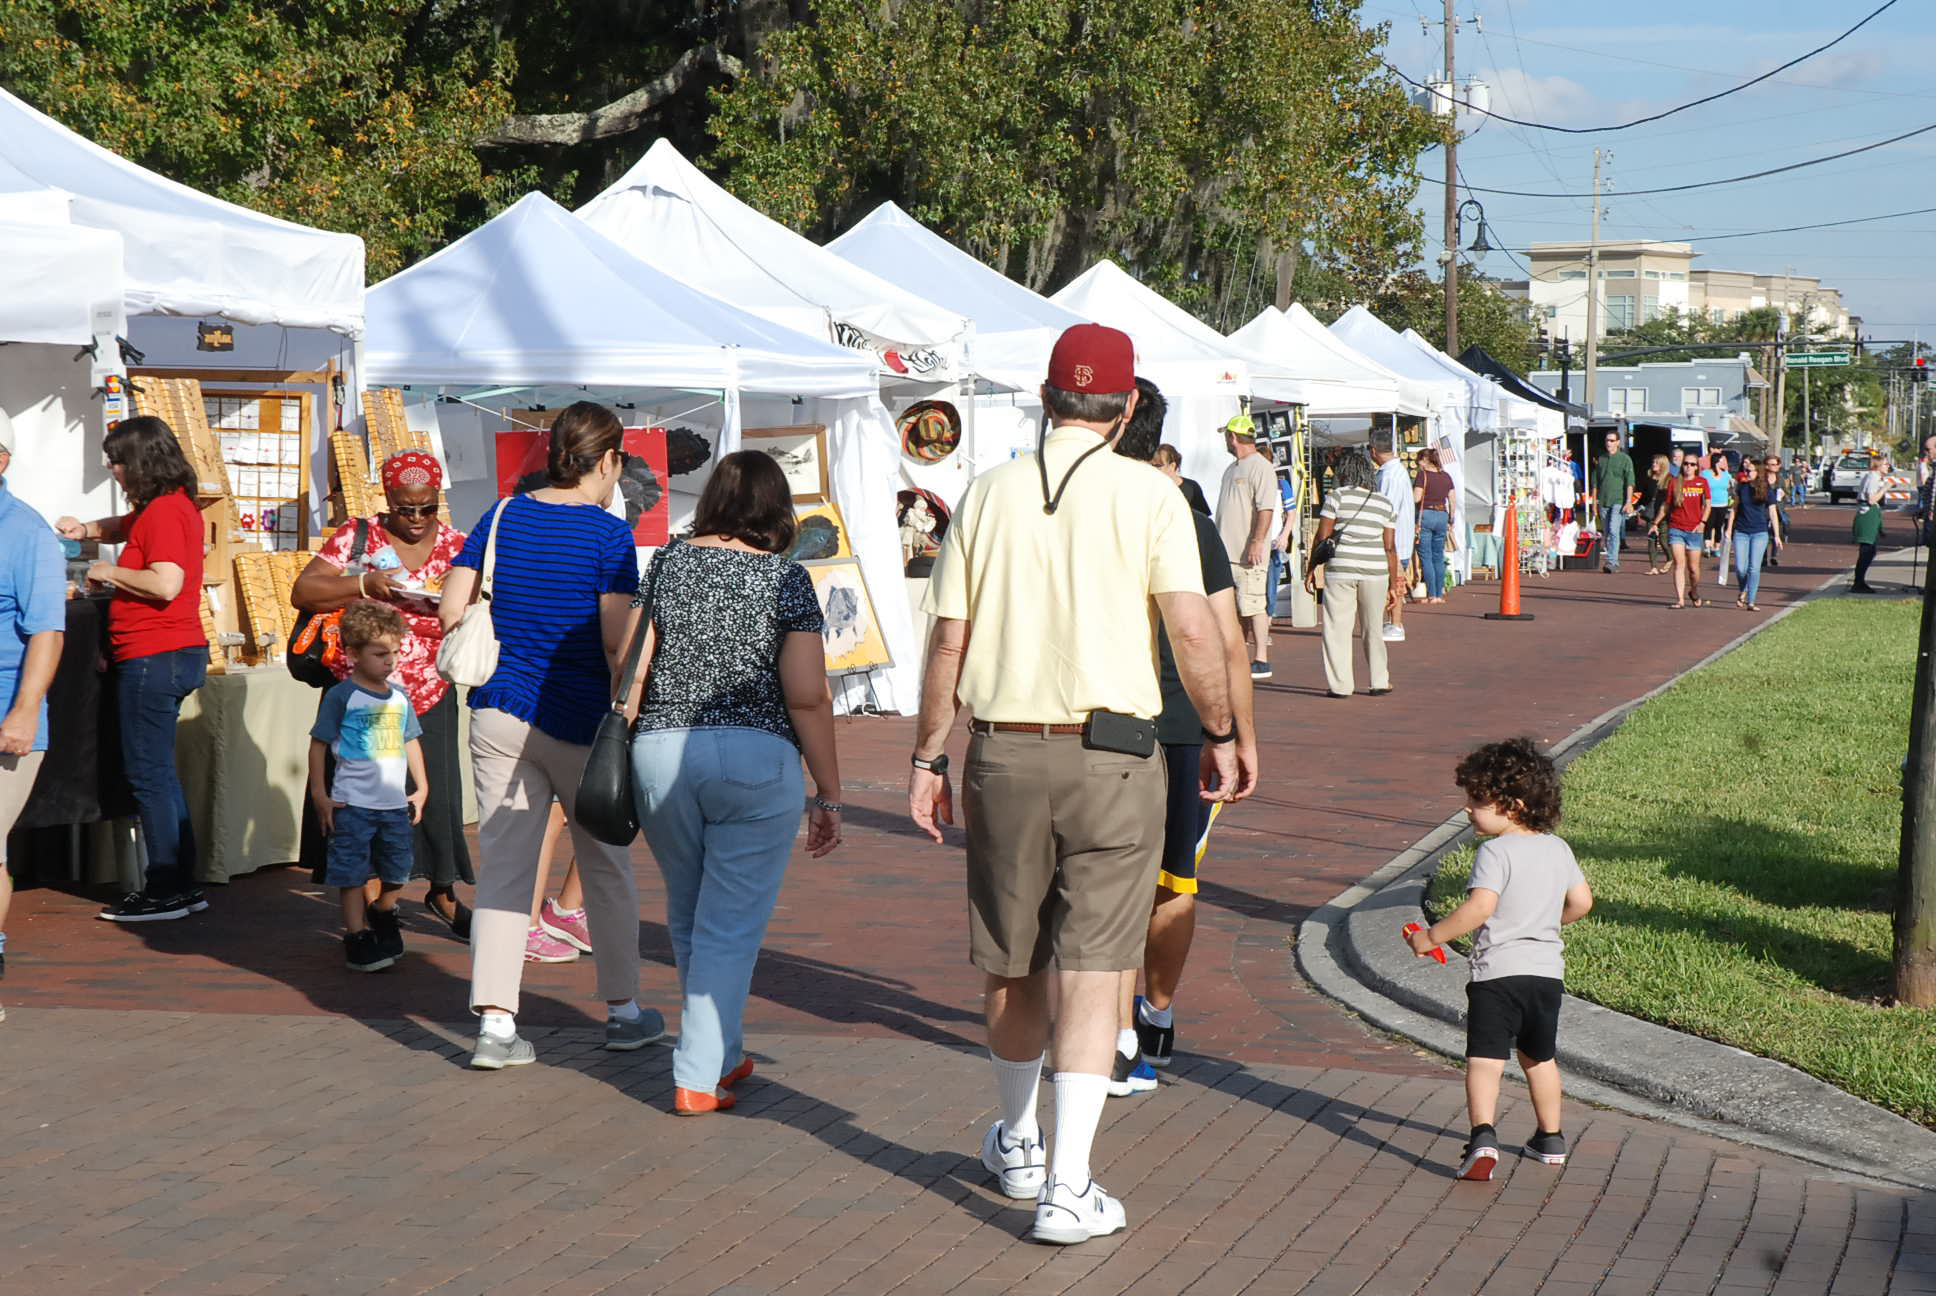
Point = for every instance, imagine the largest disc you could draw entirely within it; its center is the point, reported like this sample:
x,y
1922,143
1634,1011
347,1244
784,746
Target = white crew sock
x,y
1126,1044
1017,1085
627,1011
1079,1101
1158,1016
498,1025
563,912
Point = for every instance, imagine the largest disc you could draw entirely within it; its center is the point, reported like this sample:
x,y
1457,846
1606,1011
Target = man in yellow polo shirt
x,y
1046,596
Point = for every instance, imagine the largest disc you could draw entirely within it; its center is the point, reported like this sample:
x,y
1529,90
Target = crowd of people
x,y
1109,689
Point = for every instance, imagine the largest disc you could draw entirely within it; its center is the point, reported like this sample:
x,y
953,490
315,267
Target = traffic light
x,y
1919,369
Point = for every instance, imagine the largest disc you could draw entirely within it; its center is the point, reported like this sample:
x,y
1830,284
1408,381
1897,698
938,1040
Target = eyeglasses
x,y
414,510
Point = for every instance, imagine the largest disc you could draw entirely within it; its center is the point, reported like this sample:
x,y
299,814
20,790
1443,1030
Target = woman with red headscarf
x,y
401,557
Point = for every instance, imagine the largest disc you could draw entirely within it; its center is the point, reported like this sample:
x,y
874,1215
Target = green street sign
x,y
1816,359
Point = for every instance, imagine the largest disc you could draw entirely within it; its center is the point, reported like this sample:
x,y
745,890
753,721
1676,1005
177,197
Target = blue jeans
x,y
1431,550
720,809
1616,535
366,843
1750,547
151,690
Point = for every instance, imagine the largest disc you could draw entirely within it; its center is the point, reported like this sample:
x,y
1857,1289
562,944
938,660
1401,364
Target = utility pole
x,y
1915,927
1451,190
1593,291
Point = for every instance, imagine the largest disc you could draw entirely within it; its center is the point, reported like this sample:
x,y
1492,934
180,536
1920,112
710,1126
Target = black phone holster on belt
x,y
1112,731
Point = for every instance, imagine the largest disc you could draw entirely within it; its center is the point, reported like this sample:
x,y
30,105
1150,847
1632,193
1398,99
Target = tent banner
x,y
927,364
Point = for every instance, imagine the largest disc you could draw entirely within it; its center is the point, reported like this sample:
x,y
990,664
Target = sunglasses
x,y
414,510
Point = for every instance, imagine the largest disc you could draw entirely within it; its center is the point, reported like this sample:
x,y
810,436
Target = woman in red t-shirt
x,y
405,556
160,654
1685,506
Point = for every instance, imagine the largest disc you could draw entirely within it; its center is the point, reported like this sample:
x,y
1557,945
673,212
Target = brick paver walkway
x,y
216,1106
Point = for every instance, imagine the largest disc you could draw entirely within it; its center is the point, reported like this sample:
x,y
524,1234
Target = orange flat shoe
x,y
696,1102
737,1074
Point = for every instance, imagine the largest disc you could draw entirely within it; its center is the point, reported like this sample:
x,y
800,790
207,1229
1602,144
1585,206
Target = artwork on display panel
x,y
852,638
801,453
822,534
521,456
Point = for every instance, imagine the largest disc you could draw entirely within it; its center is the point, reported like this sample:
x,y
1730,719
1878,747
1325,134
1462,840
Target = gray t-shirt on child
x,y
1532,872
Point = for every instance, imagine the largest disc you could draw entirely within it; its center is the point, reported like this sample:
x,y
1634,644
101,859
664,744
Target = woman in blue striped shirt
x,y
564,575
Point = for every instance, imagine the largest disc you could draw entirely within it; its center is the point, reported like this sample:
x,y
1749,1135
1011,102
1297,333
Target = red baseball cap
x,y
1094,360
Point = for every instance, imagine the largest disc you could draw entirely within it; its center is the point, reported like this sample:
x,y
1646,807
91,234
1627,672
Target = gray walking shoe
x,y
495,1054
624,1036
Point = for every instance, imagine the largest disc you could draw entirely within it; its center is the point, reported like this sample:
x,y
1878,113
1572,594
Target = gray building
x,y
1719,395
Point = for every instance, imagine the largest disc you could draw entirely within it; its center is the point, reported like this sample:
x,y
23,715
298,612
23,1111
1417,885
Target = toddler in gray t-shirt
x,y
1525,886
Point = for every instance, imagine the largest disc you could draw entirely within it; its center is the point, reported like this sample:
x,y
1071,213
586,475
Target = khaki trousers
x,y
1347,600
17,775
518,769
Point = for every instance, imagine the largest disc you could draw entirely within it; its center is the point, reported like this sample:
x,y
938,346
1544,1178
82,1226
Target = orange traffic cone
x,y
1509,572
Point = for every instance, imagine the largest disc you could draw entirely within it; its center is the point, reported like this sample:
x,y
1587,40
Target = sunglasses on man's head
x,y
414,510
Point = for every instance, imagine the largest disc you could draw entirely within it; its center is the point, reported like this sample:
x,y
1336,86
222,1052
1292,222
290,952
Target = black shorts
x,y
1511,1012
1186,818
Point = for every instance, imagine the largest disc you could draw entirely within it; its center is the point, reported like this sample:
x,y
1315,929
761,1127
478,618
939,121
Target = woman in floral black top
x,y
735,695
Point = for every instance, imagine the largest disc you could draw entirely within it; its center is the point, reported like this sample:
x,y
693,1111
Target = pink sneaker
x,y
564,926
539,947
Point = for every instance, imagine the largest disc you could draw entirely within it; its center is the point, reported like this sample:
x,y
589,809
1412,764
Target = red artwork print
x,y
521,459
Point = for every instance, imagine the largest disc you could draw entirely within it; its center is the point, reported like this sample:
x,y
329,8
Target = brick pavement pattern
x,y
217,1106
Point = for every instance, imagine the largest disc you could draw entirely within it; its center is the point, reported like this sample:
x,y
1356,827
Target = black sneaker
x,y
140,907
1548,1149
1481,1154
1130,1075
364,952
193,897
389,934
1157,1042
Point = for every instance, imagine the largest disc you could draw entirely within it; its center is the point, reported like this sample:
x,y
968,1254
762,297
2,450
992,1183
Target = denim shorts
x,y
1685,539
369,842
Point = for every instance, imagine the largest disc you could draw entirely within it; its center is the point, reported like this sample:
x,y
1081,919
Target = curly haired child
x,y
1525,886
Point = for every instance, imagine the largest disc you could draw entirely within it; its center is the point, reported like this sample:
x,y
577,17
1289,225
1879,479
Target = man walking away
x,y
1049,638
1147,1035
1614,486
1396,486
1246,514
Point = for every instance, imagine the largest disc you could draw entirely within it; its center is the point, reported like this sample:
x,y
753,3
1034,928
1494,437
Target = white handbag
x,y
468,654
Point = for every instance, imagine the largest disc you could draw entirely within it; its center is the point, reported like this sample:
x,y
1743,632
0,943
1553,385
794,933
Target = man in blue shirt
x,y
33,622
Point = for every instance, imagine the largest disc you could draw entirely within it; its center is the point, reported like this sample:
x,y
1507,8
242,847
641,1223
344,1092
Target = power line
x,y
1791,229
1709,184
1642,121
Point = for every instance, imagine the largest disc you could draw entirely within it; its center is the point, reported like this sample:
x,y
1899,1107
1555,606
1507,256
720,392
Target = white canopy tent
x,y
1414,397
1204,377
1339,383
666,212
294,294
538,303
1014,331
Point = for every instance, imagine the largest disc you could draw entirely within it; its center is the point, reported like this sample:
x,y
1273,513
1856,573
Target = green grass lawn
x,y
1740,834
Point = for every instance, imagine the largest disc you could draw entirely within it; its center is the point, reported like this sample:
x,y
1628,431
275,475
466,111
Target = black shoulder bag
x,y
316,632
1326,549
604,804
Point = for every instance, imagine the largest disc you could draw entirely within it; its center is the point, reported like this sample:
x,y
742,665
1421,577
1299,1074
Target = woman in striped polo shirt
x,y
1359,575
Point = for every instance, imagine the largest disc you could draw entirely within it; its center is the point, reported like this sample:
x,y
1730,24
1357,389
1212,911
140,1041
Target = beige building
x,y
1640,279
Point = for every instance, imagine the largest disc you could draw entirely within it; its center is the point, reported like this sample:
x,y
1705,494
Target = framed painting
x,y
853,638
521,456
822,534
801,453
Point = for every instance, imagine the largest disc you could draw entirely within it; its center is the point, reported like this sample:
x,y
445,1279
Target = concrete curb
x,y
1350,950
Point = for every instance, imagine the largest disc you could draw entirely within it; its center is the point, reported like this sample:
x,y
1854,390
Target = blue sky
x,y
1578,63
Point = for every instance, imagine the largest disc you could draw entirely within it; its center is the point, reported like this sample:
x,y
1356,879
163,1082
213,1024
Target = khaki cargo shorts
x,y
1063,849
1252,584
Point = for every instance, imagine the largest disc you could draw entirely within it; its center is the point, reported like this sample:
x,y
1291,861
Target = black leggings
x,y
1864,555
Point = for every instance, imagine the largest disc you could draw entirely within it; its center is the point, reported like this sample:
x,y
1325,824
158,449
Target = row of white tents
x,y
663,295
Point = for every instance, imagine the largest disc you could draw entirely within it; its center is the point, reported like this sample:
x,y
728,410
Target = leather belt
x,y
1434,508
990,726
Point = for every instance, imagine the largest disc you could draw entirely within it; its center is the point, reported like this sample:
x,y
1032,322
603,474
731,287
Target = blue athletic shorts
x,y
369,842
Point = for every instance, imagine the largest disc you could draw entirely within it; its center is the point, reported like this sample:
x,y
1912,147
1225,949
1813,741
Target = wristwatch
x,y
1216,739
939,765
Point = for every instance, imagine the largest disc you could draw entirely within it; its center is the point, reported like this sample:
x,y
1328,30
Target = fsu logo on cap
x,y
1084,375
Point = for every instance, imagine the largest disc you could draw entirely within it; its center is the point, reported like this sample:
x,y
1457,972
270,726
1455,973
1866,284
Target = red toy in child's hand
x,y
1437,951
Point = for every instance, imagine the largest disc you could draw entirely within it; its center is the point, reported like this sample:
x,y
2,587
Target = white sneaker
x,y
1394,634
1019,1167
1065,1216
